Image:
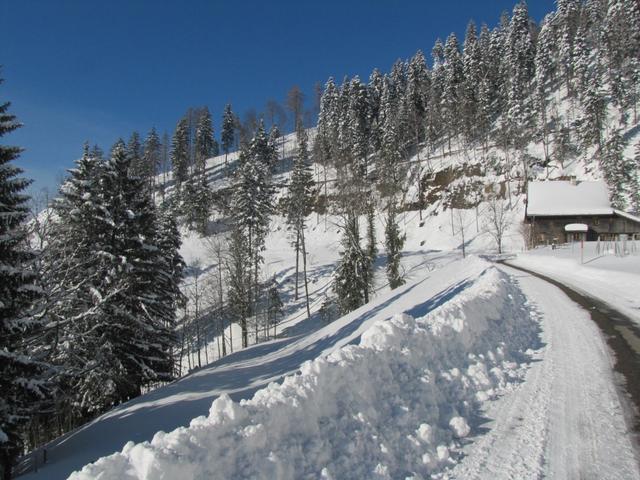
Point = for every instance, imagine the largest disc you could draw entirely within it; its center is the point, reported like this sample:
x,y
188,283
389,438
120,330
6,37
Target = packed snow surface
x,y
396,403
568,198
566,420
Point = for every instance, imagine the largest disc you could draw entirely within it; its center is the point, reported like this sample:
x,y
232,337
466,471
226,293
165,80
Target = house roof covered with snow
x,y
566,198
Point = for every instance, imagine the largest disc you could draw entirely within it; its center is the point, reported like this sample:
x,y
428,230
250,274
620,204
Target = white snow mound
x,y
394,406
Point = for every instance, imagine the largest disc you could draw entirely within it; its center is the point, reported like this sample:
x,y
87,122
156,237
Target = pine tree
x,y
358,120
197,198
520,59
275,307
372,249
350,276
394,242
274,136
21,375
74,274
134,151
471,60
151,157
143,335
374,92
634,184
622,48
566,24
544,72
180,153
616,169
205,143
228,134
418,85
453,78
595,111
239,280
435,117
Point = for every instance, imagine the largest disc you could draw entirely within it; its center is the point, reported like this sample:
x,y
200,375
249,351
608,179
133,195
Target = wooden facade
x,y
546,230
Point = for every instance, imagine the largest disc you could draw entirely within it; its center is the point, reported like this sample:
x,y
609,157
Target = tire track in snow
x,y
566,419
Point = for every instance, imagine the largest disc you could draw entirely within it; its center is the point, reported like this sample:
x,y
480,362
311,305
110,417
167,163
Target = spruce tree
x,y
595,112
74,275
180,153
132,325
634,184
239,280
394,242
350,282
151,157
275,307
228,131
417,96
134,151
21,375
372,248
205,143
274,136
616,169
471,61
453,78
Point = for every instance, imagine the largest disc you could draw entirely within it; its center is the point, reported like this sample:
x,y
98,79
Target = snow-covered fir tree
x,y
275,307
350,277
394,242
134,151
151,157
180,153
22,381
616,169
228,132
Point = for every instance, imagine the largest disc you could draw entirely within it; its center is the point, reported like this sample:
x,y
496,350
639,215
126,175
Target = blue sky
x,y
93,70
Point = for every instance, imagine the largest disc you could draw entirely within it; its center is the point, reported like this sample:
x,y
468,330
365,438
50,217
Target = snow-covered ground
x,y
565,420
470,371
597,272
389,390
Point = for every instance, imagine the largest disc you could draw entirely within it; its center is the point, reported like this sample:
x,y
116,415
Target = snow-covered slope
x,y
392,387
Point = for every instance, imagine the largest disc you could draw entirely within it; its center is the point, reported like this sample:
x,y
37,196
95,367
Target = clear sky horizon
x,y
88,70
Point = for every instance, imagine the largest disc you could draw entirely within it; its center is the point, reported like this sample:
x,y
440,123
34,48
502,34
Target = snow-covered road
x,y
566,420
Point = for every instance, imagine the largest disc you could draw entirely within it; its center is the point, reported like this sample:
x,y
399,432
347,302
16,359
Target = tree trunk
x,y
221,299
304,269
297,262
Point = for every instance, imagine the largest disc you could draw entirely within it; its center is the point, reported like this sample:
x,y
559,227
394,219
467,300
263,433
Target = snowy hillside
x,y
468,361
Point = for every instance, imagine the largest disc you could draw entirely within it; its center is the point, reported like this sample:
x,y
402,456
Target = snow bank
x,y
397,405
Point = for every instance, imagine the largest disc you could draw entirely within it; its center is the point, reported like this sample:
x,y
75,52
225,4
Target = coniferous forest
x,y
95,308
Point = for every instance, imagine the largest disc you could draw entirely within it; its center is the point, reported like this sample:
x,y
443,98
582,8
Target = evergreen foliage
x,y
394,242
22,376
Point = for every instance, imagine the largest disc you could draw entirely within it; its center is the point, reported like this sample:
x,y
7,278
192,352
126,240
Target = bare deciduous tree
x,y
496,220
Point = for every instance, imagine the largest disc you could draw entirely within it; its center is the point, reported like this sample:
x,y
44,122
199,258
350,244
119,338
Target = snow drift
x,y
397,405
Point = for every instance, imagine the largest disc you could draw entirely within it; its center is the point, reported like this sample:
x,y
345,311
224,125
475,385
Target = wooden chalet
x,y
554,205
